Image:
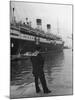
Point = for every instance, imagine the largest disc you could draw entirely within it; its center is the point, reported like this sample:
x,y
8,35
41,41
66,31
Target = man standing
x,y
37,64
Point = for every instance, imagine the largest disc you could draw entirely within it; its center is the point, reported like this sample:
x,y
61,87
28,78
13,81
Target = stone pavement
x,y
28,90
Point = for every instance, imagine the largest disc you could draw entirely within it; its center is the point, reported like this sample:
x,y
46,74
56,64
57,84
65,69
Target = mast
x,y
57,26
12,12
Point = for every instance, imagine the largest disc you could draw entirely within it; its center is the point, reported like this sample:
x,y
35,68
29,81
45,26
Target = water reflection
x,y
53,64
57,68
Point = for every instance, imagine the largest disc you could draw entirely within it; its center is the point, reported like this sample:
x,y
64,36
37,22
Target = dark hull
x,y
25,38
23,46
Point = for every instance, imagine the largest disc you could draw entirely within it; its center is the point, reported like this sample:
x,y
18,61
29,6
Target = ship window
x,y
12,45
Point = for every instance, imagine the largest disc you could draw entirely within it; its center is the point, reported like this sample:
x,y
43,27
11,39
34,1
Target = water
x,y
57,68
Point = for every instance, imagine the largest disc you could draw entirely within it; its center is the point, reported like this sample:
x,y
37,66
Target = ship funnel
x,y
39,24
48,28
27,21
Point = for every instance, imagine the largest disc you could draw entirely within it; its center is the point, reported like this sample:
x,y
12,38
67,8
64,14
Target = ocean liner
x,y
24,38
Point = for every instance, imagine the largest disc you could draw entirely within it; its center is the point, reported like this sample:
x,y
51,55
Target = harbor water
x,y
57,68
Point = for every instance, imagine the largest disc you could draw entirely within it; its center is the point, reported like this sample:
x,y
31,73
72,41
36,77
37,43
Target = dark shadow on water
x,y
21,68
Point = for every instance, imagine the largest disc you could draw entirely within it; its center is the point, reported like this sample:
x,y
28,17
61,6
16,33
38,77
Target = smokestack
x,y
39,24
48,28
27,21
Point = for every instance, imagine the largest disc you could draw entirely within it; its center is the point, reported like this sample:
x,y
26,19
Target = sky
x,y
59,16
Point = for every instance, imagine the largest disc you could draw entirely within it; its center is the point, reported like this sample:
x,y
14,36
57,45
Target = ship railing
x,y
21,26
33,32
30,30
58,42
25,27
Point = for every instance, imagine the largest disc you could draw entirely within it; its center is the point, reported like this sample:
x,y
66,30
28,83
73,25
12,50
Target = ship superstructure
x,y
24,38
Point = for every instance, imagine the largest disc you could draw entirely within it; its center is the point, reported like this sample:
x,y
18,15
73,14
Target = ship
x,y
24,38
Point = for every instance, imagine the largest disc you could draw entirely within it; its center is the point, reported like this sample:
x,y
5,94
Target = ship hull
x,y
23,46
25,39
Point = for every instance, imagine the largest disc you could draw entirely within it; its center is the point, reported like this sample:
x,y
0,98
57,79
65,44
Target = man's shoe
x,y
38,90
47,91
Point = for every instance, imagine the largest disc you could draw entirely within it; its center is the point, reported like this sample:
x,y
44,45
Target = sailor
x,y
37,65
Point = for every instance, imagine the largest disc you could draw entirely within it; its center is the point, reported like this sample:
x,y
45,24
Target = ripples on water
x,y
57,68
